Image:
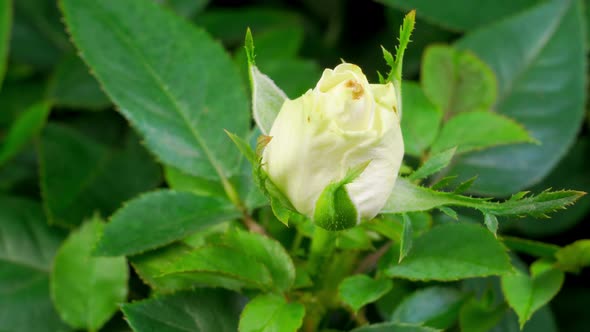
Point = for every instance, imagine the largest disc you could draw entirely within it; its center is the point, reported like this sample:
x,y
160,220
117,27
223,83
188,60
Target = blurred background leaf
x,y
27,246
540,86
462,14
80,176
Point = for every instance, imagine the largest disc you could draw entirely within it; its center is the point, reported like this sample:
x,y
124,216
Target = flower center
x,y
357,89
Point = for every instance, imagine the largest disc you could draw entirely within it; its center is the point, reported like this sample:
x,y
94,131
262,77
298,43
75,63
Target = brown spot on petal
x,y
357,89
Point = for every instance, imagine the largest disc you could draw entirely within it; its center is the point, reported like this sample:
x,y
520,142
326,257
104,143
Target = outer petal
x,y
372,188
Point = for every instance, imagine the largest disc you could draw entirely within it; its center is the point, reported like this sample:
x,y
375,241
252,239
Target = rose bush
x,y
124,205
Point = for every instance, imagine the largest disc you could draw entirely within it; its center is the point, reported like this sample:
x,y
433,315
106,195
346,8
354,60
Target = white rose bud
x,y
335,152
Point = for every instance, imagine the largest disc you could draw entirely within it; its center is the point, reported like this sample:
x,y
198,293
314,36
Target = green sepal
x,y
334,209
249,47
395,74
267,97
280,204
244,147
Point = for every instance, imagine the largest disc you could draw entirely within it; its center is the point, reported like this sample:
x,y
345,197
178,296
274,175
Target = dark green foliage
x,y
134,196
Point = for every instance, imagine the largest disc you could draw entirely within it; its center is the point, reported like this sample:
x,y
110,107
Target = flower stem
x,y
322,248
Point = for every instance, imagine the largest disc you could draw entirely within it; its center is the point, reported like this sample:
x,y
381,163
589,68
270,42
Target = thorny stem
x,y
360,317
370,261
296,243
234,197
251,224
322,248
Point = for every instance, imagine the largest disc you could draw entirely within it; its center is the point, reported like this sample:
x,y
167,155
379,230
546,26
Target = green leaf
x,y
360,290
541,88
421,120
478,316
405,243
246,186
17,96
149,266
491,223
185,87
443,254
574,257
394,327
220,266
229,24
186,8
464,186
433,306
526,294
434,164
355,238
214,234
391,225
571,172
449,212
530,247
72,86
178,266
267,251
457,81
199,310
179,180
443,182
493,129
80,176
38,38
387,304
20,172
267,313
542,320
139,226
462,15
490,291
408,197
87,290
26,126
5,25
27,246
388,58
